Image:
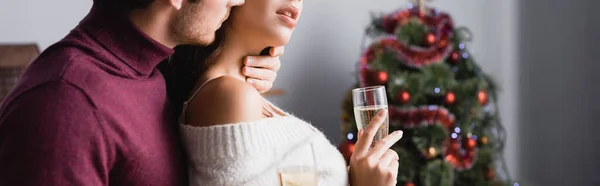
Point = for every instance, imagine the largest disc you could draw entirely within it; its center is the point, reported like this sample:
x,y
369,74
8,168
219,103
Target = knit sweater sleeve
x,y
250,153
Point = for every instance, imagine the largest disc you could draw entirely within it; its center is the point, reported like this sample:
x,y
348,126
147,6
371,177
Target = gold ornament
x,y
484,140
432,151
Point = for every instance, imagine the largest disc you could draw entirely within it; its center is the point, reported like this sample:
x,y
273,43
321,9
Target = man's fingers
x,y
260,74
276,51
366,138
385,144
260,85
261,71
267,62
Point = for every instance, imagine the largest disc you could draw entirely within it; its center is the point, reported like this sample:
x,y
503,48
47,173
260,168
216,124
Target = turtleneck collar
x,y
125,40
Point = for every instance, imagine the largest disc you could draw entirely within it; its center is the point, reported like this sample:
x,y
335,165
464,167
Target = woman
x,y
233,136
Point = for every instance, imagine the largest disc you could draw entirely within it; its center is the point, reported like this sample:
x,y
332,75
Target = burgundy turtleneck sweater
x,y
91,110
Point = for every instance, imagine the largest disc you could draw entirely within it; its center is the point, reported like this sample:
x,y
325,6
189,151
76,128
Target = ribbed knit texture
x,y
250,153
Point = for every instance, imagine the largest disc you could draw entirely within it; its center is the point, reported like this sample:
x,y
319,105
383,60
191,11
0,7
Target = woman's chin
x,y
282,41
282,37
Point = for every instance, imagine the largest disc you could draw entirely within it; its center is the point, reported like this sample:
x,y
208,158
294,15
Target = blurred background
x,y
541,52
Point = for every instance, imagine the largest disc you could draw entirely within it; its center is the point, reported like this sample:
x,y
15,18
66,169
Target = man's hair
x,y
126,6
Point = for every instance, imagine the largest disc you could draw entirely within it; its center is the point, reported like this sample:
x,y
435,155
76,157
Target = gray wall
x,y
559,71
39,21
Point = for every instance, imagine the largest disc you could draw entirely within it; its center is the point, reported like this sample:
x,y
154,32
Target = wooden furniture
x,y
274,92
14,59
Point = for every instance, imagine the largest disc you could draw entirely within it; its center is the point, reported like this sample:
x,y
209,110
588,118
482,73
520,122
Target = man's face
x,y
198,20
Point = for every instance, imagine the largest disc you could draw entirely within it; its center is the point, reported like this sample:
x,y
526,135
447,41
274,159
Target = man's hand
x,y
262,70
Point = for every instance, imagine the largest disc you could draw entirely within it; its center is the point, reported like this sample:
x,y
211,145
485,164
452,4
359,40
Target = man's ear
x,y
176,3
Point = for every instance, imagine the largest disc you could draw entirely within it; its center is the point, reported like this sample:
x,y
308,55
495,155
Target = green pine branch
x,y
413,33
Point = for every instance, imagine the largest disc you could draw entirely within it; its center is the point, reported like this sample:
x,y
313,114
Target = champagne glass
x,y
368,102
299,167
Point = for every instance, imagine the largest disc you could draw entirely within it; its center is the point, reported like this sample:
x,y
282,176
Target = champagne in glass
x,y
299,168
298,176
368,102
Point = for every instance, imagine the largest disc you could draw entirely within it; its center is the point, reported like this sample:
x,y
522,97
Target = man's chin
x,y
205,41
200,41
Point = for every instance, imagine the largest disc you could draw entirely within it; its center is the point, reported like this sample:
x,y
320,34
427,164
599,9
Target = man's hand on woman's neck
x,y
231,60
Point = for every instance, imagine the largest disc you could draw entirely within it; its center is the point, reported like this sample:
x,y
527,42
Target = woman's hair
x,y
186,65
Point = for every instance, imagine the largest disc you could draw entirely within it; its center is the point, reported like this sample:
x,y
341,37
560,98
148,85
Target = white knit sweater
x,y
250,153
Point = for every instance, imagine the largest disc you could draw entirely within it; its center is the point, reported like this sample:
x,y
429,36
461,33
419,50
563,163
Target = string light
x,y
399,81
465,55
436,90
350,136
487,109
461,46
409,5
457,130
454,135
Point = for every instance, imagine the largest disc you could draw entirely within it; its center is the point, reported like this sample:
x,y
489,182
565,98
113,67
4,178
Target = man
x,y
93,109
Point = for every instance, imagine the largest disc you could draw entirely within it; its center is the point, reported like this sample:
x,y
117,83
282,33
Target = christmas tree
x,y
437,95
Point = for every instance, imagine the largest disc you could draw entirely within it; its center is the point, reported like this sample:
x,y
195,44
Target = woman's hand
x,y
262,70
379,166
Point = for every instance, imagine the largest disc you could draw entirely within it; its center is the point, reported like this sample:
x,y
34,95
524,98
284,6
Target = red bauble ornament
x,y
482,97
489,174
450,98
454,57
409,184
373,78
382,77
403,97
470,144
430,39
346,148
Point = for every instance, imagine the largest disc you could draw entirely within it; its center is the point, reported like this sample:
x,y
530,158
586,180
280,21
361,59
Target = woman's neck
x,y
231,59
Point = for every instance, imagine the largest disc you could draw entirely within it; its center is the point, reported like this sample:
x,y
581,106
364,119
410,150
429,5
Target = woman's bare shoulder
x,y
225,100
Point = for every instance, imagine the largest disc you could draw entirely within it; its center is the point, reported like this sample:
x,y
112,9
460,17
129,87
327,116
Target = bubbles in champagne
x,y
365,114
